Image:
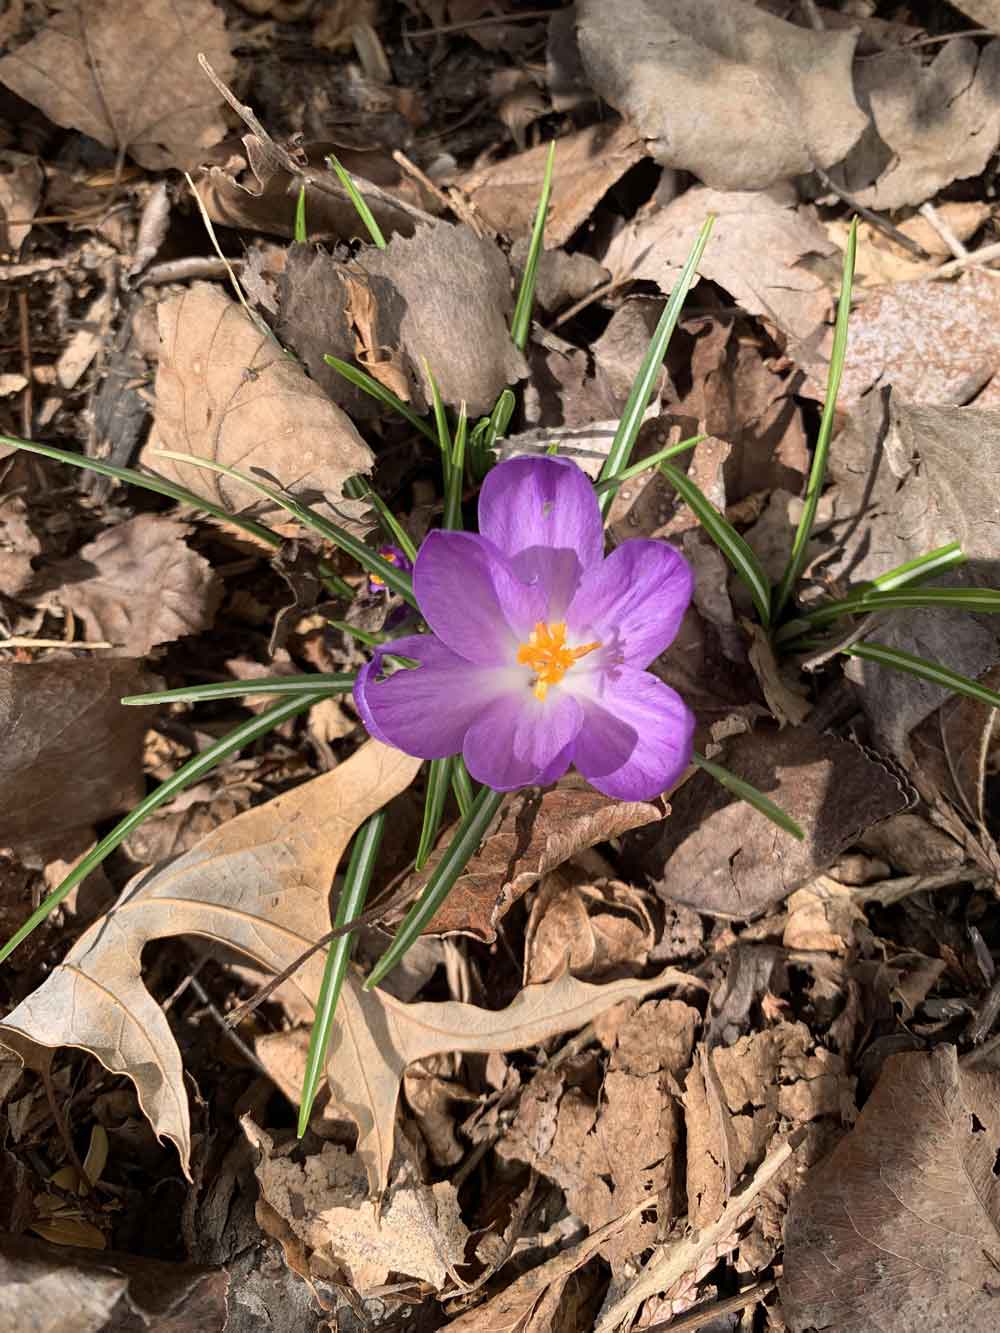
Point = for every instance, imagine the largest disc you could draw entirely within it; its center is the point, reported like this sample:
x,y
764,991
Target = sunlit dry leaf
x,y
934,122
535,833
259,883
71,754
704,69
952,747
757,243
126,73
587,164
137,584
596,930
20,190
226,391
720,856
907,1221
448,295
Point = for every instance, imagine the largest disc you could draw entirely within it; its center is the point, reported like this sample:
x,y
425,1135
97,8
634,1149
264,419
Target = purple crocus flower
x,y
396,557
538,645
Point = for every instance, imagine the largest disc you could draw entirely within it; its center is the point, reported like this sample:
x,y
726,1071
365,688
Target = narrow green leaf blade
x,y
328,682
932,562
934,672
725,536
438,782
301,233
460,851
462,786
983,600
360,207
642,389
364,855
817,473
644,464
749,793
371,386
520,325
456,474
193,771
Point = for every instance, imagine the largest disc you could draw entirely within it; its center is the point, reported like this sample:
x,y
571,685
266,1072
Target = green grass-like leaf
x,y
913,571
725,536
460,851
642,389
360,207
193,771
456,474
934,672
520,325
462,786
371,386
438,782
328,682
905,599
300,233
148,483
749,793
359,488
364,854
368,559
644,464
817,473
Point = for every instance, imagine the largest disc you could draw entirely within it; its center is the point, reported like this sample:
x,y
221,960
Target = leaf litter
x,y
534,1033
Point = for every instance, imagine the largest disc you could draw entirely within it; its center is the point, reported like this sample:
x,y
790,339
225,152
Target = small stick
x,y
453,202
956,247
972,259
900,237
711,1310
27,369
19,641
62,1127
526,17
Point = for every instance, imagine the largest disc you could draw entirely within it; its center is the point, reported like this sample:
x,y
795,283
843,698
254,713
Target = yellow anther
x,y
547,655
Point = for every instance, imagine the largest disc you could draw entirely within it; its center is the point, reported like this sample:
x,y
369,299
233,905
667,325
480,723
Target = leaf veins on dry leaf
x,y
71,755
226,391
136,585
535,834
900,1230
260,884
125,72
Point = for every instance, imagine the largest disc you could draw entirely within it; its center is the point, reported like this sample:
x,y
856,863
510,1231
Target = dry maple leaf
x,y
125,72
707,68
535,833
138,584
226,391
907,1222
71,754
260,885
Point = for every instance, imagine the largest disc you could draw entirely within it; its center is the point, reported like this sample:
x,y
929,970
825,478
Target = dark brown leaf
x,y
719,856
535,834
899,1229
71,755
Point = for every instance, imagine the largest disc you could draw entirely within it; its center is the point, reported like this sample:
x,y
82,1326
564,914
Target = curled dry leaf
x,y
226,391
934,123
447,292
126,73
21,181
536,833
907,1222
71,755
138,584
595,930
723,858
706,68
587,164
758,243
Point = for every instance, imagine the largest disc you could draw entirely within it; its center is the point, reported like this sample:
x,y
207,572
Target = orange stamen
x,y
547,655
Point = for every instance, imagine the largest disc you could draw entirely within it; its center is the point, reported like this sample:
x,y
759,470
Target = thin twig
x,y
711,1310
492,21
19,641
63,1128
956,247
973,259
220,1020
27,369
900,237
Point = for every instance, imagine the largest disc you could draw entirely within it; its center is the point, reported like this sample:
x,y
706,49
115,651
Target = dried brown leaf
x,y
21,181
126,73
755,252
704,69
226,391
602,929
587,164
72,755
951,749
137,584
720,856
933,123
448,294
535,834
907,1221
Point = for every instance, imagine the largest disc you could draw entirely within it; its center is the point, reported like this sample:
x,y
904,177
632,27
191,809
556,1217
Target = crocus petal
x,y
632,603
543,514
425,710
521,741
472,599
636,736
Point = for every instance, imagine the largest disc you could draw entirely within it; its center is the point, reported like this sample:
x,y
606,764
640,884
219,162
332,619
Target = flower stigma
x,y
547,655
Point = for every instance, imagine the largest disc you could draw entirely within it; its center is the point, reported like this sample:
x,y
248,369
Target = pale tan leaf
x,y
126,73
226,391
727,91
138,584
259,884
21,181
